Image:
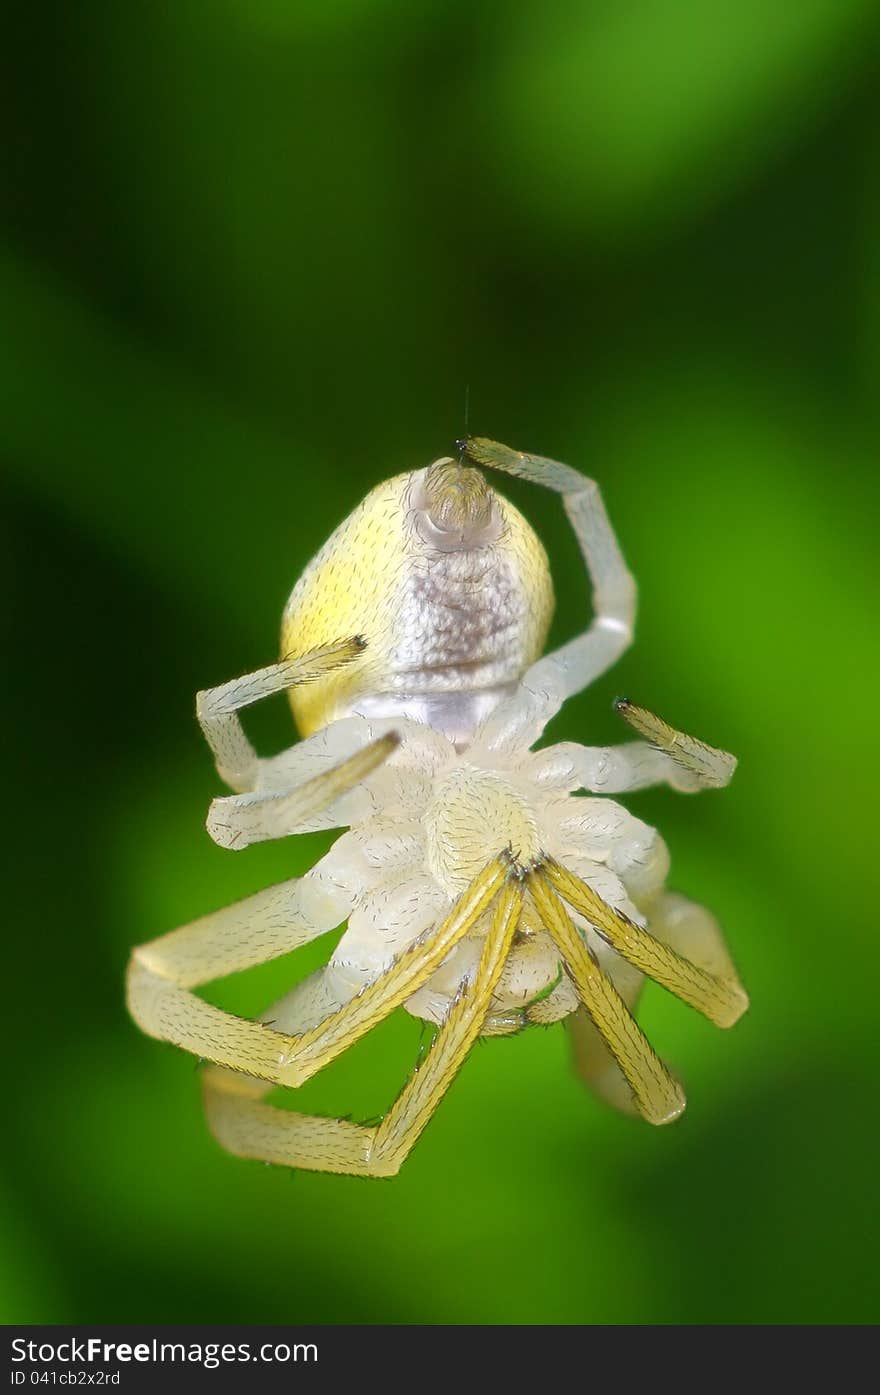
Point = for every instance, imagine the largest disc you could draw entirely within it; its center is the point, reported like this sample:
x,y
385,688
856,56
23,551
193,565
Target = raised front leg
x,y
576,664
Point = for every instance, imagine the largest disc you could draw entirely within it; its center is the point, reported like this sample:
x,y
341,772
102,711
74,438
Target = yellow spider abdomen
x,y
450,588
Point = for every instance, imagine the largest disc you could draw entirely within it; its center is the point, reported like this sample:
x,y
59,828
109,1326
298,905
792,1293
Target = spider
x,y
486,886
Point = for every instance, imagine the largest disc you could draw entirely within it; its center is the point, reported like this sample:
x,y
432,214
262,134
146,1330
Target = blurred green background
x,y
255,252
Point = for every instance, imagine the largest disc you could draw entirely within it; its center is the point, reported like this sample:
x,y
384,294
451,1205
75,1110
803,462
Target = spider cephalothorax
x,y
484,885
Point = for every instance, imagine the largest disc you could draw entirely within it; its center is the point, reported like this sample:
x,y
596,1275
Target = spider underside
x,y
486,886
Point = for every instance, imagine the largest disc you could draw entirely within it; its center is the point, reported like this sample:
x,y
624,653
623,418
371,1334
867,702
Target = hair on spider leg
x,y
330,657
515,868
231,838
427,1037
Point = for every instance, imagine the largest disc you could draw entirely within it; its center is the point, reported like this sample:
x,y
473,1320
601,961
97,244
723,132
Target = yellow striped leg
x,y
722,1000
710,767
658,1097
250,1128
165,1009
422,1094
323,1043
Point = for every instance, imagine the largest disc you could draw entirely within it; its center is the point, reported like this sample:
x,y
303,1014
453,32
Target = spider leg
x,y
634,765
310,1001
217,709
253,931
637,765
579,662
658,1097
699,765
236,821
328,1039
161,1003
720,998
694,933
423,1092
595,1064
246,1126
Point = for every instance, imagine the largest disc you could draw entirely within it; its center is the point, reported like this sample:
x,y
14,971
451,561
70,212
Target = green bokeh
x,y
255,253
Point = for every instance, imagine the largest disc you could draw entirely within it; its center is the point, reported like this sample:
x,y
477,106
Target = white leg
x,y
668,757
244,1125
693,932
217,709
581,661
312,1001
262,927
610,769
250,932
236,821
